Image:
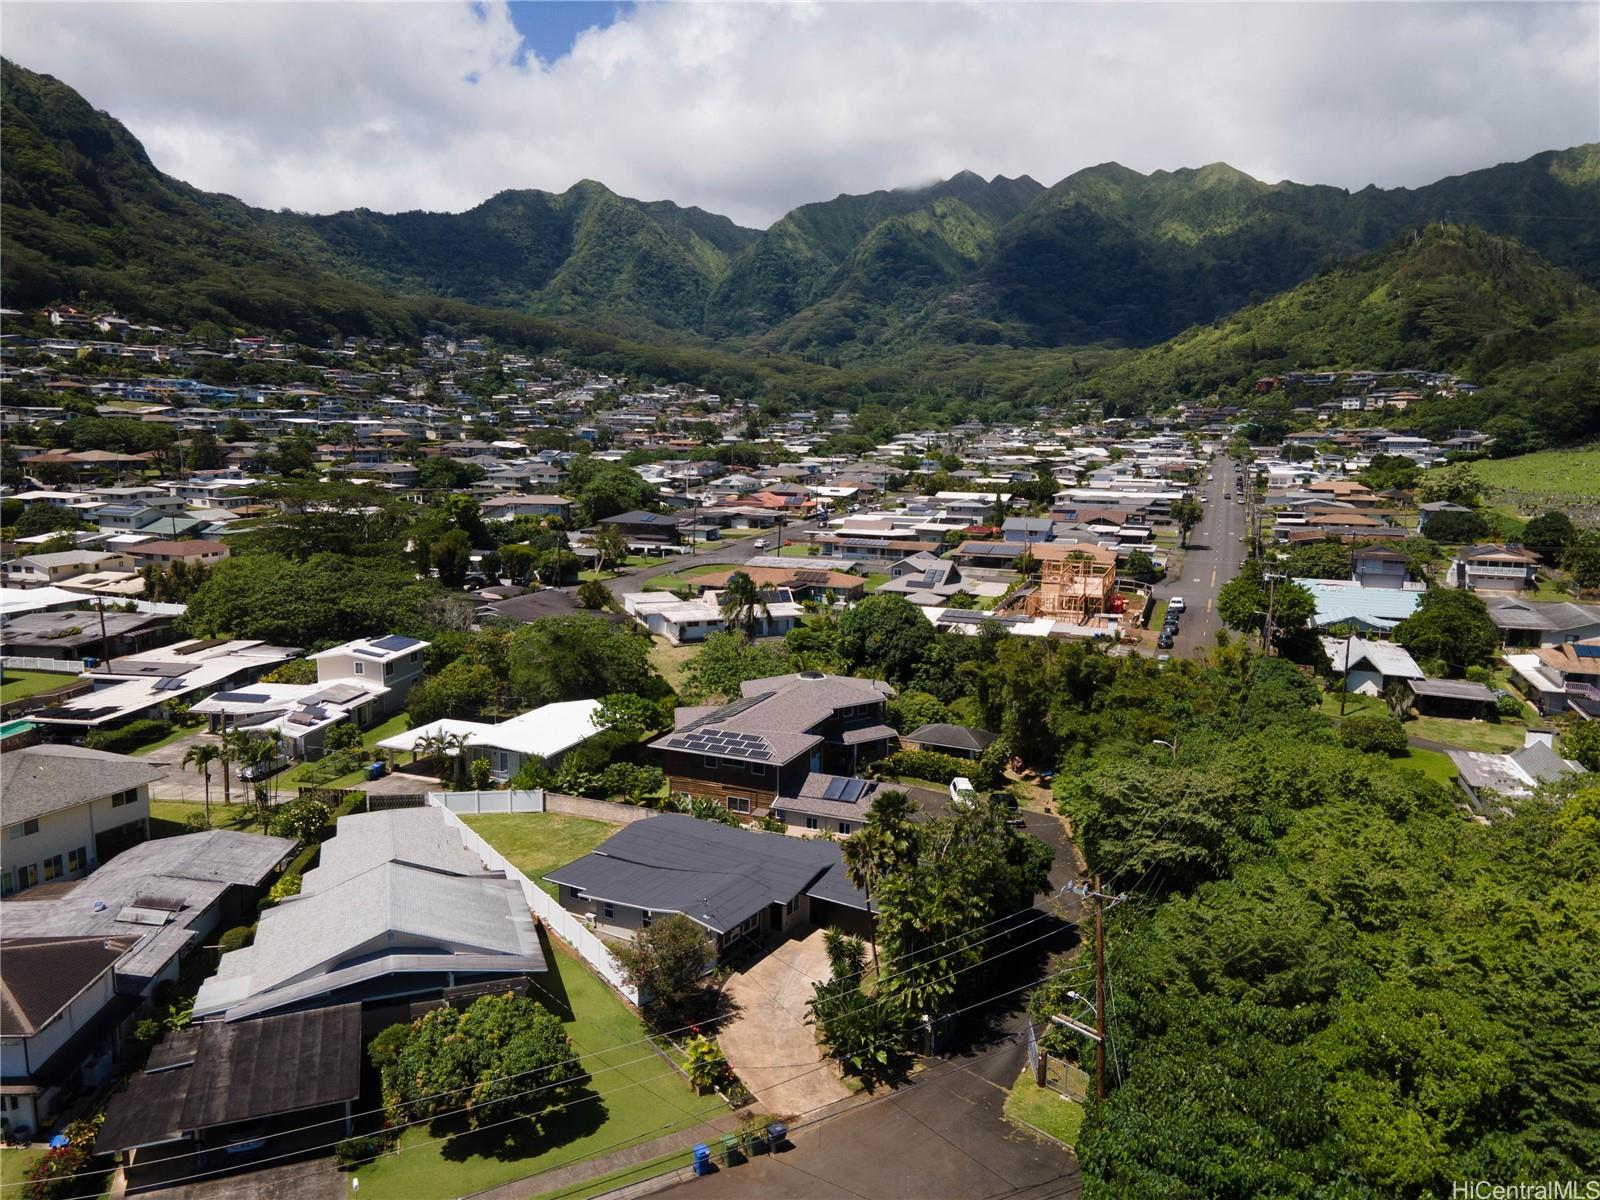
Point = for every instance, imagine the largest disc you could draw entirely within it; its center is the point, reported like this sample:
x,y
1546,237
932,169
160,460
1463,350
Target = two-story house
x,y
394,661
1494,568
1373,566
1560,678
788,737
68,809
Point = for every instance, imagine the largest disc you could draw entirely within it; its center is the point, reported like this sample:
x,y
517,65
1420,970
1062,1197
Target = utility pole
x,y
1344,682
105,645
1098,1033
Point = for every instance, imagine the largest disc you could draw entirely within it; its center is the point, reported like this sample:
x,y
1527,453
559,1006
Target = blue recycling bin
x,y
777,1135
702,1159
375,770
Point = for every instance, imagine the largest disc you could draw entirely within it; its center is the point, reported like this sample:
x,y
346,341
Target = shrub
x,y
236,938
303,820
926,764
1374,733
343,736
1508,705
288,884
353,1151
128,737
706,1063
481,774
60,1171
1480,675
631,780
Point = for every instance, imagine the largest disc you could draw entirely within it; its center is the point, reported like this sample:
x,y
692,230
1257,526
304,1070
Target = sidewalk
x,y
573,1175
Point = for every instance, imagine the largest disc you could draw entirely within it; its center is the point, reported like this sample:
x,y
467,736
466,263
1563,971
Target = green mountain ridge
x,y
966,288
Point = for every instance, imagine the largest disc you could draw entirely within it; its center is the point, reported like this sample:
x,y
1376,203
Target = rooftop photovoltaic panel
x,y
395,642
242,697
170,684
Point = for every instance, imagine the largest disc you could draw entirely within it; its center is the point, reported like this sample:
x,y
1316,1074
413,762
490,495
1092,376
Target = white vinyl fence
x,y
489,802
562,923
68,668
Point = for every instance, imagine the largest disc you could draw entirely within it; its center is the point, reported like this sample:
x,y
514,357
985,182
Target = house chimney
x,y
1539,737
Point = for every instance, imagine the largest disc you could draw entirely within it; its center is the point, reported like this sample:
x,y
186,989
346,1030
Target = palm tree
x,y
743,605
272,739
200,756
455,745
231,750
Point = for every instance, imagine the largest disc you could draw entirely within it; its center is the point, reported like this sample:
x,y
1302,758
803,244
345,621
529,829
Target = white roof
x,y
14,601
1386,658
542,732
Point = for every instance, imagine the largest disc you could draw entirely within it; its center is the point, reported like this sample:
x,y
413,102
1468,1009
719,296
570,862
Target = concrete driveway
x,y
178,783
768,1044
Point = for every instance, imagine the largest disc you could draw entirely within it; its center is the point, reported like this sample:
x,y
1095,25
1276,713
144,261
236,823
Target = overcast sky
x,y
751,109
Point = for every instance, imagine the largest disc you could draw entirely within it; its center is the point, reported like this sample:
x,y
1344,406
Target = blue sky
x,y
549,26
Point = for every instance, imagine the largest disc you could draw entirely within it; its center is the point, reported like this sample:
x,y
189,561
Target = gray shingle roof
x,y
40,780
955,737
714,874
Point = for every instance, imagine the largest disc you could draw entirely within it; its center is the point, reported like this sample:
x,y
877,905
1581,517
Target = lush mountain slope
x,y
586,251
1107,256
1449,297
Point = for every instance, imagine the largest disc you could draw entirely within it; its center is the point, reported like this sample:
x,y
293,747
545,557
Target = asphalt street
x,y
1215,553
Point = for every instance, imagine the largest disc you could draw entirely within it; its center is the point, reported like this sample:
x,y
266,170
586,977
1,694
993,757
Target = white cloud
x,y
750,109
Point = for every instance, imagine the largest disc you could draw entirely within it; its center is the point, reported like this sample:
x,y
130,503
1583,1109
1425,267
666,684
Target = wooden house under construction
x,y
1077,582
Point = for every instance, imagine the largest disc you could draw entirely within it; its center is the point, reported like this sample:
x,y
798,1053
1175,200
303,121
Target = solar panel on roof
x,y
170,683
242,697
395,642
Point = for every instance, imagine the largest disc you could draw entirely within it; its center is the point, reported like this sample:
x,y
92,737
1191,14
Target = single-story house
x,y
1369,667
506,508
1531,623
73,636
737,884
1367,609
958,741
1450,698
682,622
543,734
400,910
803,582
1490,780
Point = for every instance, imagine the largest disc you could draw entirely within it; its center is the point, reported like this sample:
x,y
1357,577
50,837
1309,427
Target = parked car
x,y
962,791
263,770
1164,642
1175,605
761,543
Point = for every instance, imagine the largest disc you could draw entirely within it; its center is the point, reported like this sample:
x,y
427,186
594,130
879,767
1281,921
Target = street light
x,y
1163,742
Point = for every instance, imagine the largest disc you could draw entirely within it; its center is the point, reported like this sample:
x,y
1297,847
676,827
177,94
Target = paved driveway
x,y
733,550
768,1044
178,783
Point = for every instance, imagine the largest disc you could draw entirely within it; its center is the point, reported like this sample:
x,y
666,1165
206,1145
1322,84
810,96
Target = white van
x,y
962,791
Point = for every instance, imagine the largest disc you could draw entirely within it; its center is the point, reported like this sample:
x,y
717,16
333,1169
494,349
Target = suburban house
x,y
146,683
958,741
218,1084
1426,512
737,884
1370,667
756,754
1527,623
508,508
1490,780
1373,566
924,579
540,735
67,810
1450,698
154,904
42,570
684,621
1494,568
163,554
397,907
1560,678
75,635
1369,610
801,581
394,661
301,714
871,549
647,528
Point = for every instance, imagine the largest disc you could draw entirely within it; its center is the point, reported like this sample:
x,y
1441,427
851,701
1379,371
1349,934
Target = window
x,y
645,917
27,876
844,826
415,654
712,763
811,823
53,868
758,768
5,882
76,860
24,829
388,669
360,668
789,908
127,797
738,804
608,910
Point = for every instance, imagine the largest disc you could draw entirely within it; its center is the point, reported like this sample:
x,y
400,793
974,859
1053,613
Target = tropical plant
x,y
200,756
742,602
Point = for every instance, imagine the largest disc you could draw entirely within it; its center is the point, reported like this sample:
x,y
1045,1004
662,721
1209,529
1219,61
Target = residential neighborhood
x,y
421,679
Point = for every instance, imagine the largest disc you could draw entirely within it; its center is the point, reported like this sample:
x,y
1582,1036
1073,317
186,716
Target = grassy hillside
x,y
1530,484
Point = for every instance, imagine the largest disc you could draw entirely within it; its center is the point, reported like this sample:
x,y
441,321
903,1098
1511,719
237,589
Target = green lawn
x,y
632,1097
1469,735
19,685
622,1178
168,818
876,579
540,842
1430,763
797,550
1353,704
14,1165
1044,1111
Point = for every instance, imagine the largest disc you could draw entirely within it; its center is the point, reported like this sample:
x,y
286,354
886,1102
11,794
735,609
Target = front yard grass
x,y
1044,1111
15,1162
1430,763
168,818
670,660
19,685
539,842
631,1098
1489,736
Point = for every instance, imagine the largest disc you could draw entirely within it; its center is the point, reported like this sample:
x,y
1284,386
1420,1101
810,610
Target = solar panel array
x,y
725,743
847,791
395,642
170,684
242,697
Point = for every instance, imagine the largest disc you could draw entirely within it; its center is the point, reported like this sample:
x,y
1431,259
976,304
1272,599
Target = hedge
x,y
1374,733
128,737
